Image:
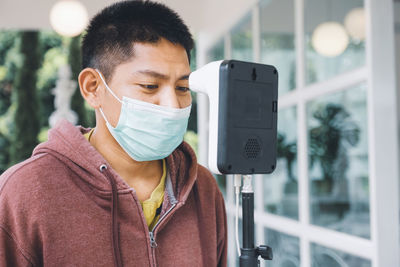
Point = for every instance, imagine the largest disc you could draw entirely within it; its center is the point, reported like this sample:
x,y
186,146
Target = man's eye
x,y
149,86
183,89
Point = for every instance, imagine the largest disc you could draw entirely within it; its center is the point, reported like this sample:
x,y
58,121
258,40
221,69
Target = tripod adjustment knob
x,y
265,252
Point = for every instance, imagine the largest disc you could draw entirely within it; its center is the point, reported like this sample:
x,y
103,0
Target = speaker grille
x,y
252,148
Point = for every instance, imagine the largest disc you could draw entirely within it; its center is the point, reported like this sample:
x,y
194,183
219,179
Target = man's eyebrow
x,y
160,76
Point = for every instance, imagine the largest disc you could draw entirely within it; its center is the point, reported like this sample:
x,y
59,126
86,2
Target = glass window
x,y
277,40
327,257
338,161
221,180
217,52
334,37
193,58
242,40
281,187
234,260
232,254
285,248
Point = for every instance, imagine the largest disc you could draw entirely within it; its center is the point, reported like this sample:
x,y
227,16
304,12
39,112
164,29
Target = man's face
x,y
158,74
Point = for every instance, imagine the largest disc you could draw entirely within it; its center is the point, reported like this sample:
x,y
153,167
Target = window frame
x,y
383,146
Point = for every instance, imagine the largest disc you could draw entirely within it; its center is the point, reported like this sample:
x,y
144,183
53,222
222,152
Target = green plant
x,y
54,56
192,139
329,141
288,151
86,116
26,118
8,60
4,157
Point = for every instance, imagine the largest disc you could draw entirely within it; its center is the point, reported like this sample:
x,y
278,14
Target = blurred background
x,y
334,197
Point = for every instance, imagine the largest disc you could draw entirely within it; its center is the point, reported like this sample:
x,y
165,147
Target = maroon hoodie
x,y
66,206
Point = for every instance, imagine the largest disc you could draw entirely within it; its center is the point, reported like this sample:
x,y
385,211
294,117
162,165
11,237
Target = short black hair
x,y
111,34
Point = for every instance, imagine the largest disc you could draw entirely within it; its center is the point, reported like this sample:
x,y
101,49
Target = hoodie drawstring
x,y
114,216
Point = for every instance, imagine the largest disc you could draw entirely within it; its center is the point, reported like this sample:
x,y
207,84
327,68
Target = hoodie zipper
x,y
153,243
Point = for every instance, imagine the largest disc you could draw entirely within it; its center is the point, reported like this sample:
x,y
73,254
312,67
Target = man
x,y
128,192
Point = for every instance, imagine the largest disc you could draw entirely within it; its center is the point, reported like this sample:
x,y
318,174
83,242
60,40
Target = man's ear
x,y
89,83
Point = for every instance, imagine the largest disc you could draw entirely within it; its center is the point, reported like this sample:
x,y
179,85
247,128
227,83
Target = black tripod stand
x,y
249,254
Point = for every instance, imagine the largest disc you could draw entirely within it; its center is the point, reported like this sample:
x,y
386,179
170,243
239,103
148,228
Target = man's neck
x,y
142,176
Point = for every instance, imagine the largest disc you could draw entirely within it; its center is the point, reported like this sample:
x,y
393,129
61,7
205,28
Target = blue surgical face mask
x,y
147,131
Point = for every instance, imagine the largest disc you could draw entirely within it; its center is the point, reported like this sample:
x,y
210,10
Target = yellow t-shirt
x,y
151,205
88,134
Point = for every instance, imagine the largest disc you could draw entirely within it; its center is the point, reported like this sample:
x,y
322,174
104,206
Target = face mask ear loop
x,y
108,88
104,116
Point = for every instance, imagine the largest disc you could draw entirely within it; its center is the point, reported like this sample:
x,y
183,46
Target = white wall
x,y
397,51
201,15
208,16
397,45
22,14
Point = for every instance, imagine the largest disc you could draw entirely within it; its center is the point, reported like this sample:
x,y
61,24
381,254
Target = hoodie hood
x,y
66,206
67,143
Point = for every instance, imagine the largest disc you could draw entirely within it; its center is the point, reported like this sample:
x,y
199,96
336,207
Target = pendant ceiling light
x,y
355,23
69,17
330,39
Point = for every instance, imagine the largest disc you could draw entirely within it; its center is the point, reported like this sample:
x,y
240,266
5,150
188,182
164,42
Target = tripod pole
x,y
249,255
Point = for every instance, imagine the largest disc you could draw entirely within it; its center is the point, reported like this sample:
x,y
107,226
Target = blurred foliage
x,y
192,125
9,58
16,73
4,156
191,138
26,116
7,40
288,151
6,124
54,57
86,115
193,59
51,52
42,137
242,38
